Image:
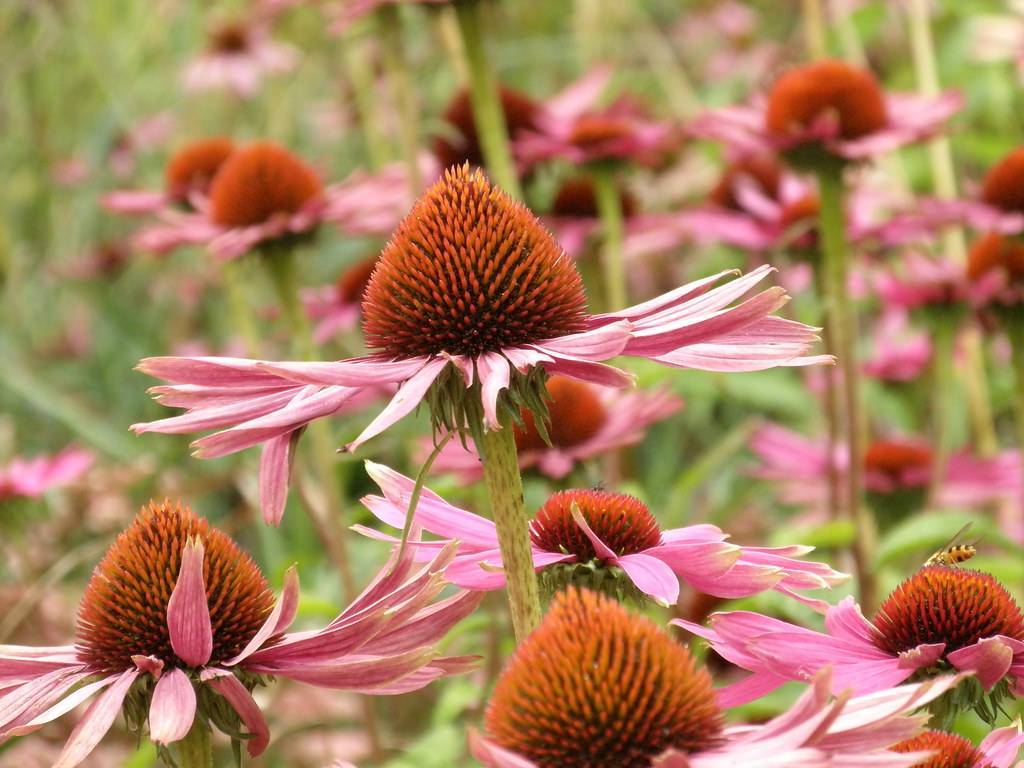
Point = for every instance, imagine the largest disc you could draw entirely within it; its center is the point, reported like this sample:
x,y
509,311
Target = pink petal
x,y
652,577
1002,745
989,659
173,708
228,686
494,371
602,549
96,721
188,614
409,395
493,756
279,619
275,471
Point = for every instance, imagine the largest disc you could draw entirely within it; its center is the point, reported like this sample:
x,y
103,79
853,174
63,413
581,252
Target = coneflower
x,y
598,687
238,57
998,749
178,626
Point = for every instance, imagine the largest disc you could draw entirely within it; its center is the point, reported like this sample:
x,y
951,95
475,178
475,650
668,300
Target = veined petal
x,y
279,619
989,659
651,576
275,471
173,707
188,614
228,686
96,721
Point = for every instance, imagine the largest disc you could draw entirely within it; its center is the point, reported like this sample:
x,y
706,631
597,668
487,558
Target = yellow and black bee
x,y
952,553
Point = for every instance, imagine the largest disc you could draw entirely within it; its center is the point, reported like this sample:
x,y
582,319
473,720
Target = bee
x,y
952,553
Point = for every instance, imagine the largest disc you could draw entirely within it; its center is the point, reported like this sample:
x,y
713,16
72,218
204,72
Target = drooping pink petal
x,y
1002,745
228,686
96,721
173,707
279,619
275,471
188,613
989,659
492,756
651,576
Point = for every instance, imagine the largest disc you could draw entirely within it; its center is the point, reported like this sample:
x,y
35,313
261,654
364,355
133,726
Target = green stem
x,y
833,421
843,327
1015,330
488,115
505,488
399,73
815,34
241,316
609,208
196,749
364,97
945,399
417,490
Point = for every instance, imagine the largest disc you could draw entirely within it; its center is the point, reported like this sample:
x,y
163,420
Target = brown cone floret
x,y
802,95
945,604
577,199
193,167
464,146
469,271
576,414
623,523
993,252
895,457
764,170
950,751
595,131
598,687
230,38
1004,183
802,215
124,610
351,284
258,182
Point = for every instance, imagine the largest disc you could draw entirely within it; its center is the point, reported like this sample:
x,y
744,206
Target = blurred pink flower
x,y
898,353
238,57
939,616
218,628
515,327
999,749
916,280
587,421
571,127
336,307
33,477
798,466
832,105
612,530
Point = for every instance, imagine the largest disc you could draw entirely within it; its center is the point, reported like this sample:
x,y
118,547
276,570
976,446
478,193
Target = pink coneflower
x,y
31,478
917,281
263,193
336,307
604,534
176,613
995,271
832,106
586,421
940,617
471,301
896,473
948,750
899,354
598,687
237,58
458,143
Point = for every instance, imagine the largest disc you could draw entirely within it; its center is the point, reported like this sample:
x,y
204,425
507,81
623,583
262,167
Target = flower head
x,y
597,686
995,271
938,618
763,169
470,307
605,540
998,749
33,477
1002,186
192,168
460,144
238,58
177,619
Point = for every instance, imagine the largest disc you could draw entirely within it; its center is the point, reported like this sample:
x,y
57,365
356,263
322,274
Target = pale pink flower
x,y
33,477
512,326
336,307
611,530
587,421
833,106
238,58
571,127
940,616
210,621
799,468
597,685
898,352
916,280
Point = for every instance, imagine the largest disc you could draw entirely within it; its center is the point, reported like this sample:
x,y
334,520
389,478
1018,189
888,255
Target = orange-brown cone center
x,y
995,252
764,170
802,216
895,457
945,604
230,38
950,751
1004,184
461,144
803,95
193,167
351,284
593,131
598,687
576,414
124,610
576,198
623,523
258,182
469,271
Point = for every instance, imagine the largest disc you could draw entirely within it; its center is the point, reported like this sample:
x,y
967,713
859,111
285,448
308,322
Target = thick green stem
x,y
944,398
196,749
833,423
241,316
843,327
488,114
505,488
815,34
403,90
609,208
